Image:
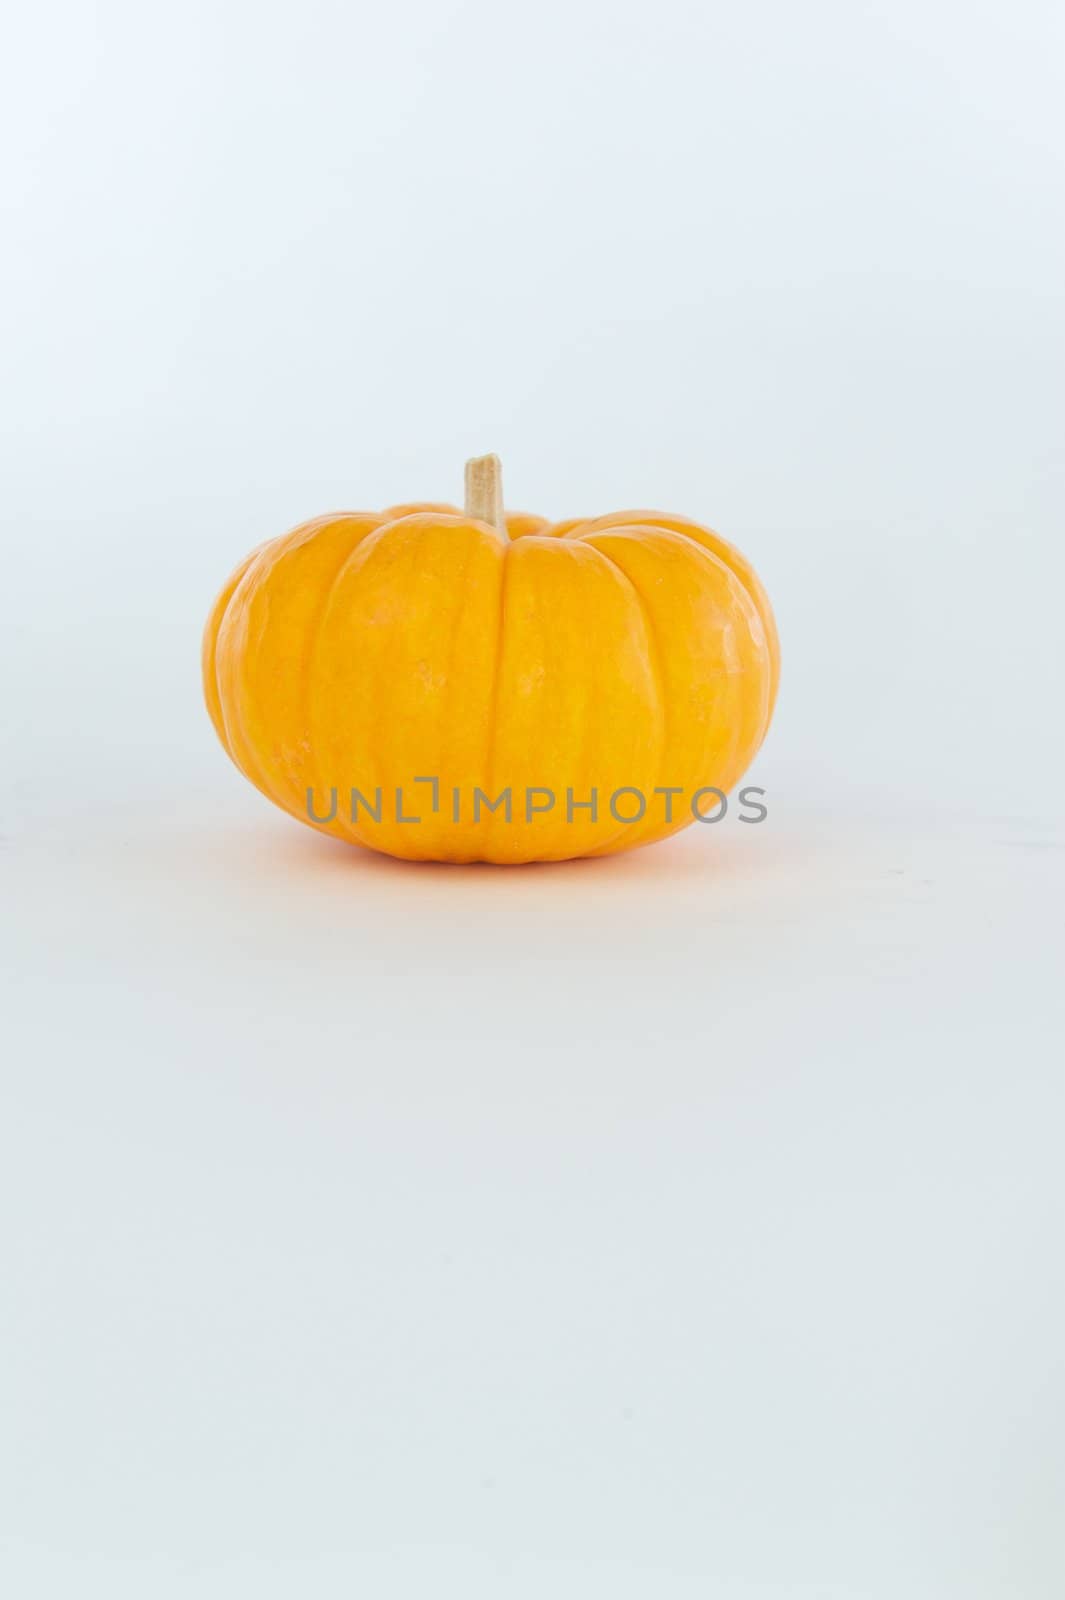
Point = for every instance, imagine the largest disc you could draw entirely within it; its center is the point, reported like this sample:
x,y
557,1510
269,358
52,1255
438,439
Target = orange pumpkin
x,y
467,686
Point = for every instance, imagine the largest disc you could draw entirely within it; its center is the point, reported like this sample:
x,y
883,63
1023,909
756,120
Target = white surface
x,y
682,1224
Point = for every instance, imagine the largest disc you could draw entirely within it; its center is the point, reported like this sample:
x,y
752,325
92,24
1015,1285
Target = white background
x,y
683,1224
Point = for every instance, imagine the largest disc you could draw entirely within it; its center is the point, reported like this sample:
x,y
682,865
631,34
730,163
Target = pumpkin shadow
x,y
685,858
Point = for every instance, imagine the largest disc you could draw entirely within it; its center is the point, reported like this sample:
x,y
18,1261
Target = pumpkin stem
x,y
484,492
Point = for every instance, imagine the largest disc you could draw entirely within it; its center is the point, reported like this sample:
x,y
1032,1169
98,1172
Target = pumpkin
x,y
471,685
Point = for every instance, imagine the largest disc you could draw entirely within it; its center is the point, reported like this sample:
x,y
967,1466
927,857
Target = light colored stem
x,y
484,492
